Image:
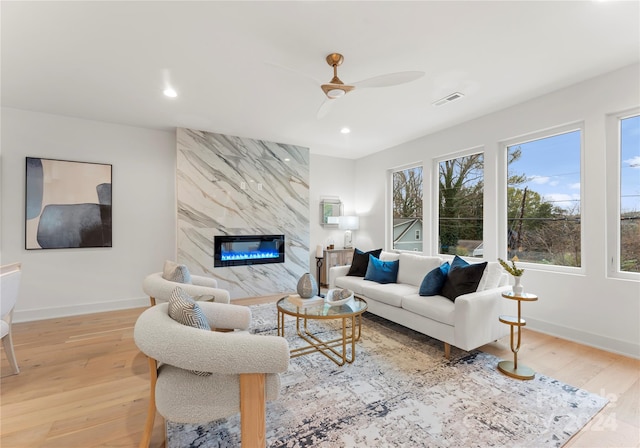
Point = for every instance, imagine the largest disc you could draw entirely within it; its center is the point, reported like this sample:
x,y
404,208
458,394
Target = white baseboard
x,y
582,337
75,310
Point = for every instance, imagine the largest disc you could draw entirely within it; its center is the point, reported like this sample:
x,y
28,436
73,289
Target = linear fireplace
x,y
242,250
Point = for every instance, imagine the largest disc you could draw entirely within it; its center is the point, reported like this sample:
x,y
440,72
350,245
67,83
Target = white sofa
x,y
469,322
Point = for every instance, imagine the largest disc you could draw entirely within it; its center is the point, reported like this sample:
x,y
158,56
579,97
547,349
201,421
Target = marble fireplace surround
x,y
229,185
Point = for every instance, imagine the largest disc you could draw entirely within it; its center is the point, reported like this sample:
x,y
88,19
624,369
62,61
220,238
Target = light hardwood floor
x,y
83,383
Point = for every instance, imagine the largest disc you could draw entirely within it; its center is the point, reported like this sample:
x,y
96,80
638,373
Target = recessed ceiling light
x,y
287,159
170,92
345,130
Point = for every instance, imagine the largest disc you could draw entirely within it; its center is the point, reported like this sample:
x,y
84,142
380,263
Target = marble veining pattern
x,y
237,186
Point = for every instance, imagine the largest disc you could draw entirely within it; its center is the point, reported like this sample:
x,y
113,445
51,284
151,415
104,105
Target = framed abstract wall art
x,y
68,204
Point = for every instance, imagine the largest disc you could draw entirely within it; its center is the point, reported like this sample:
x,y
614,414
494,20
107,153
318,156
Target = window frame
x,y
503,197
389,204
613,192
435,196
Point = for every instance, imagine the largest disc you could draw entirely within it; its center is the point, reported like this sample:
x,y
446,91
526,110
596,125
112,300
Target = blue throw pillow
x,y
382,271
458,263
434,281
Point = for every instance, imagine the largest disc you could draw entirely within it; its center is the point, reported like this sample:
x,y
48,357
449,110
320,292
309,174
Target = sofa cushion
x,y
389,293
434,281
182,308
382,271
355,284
491,276
360,262
413,267
463,280
438,308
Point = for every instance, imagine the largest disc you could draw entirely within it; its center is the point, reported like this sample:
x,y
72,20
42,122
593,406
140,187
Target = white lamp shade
x,y
349,223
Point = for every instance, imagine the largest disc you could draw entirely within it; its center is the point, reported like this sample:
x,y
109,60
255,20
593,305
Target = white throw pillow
x,y
414,267
388,256
176,272
169,269
491,276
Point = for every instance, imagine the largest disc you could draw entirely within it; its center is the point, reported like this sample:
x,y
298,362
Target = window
x,y
407,208
543,199
629,134
460,204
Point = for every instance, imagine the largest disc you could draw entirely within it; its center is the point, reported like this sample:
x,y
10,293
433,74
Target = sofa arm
x,y
335,272
476,317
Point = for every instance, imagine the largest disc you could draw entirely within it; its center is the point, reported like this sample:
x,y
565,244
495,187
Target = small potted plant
x,y
512,269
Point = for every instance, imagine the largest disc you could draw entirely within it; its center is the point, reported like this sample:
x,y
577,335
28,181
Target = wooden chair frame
x,y
252,409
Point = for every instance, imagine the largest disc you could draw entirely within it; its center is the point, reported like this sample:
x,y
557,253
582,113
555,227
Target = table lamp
x,y
348,223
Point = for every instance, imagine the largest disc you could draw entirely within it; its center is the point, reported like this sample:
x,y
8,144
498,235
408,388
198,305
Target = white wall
x,y
59,282
330,176
588,307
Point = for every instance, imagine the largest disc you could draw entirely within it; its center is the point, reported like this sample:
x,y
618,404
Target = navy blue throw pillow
x,y
382,271
434,281
360,262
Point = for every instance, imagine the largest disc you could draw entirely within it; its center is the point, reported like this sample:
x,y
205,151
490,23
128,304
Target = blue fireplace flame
x,y
253,255
241,250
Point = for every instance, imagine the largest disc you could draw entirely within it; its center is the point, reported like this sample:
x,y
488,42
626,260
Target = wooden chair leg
x,y
253,410
7,342
151,411
152,300
447,350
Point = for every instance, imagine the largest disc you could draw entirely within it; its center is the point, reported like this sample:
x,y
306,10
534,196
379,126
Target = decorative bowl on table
x,y
336,297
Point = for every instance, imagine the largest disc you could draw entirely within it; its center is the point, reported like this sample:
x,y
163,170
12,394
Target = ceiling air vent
x,y
447,99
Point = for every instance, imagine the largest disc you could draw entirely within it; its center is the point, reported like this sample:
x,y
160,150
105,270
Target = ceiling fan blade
x,y
325,107
391,79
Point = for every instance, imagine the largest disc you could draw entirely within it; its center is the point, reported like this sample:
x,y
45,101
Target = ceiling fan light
x,y
335,93
170,92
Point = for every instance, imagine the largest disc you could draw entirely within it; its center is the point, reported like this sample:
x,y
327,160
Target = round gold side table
x,y
511,368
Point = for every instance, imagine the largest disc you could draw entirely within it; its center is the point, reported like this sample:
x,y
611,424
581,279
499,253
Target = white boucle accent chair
x,y
244,369
201,288
10,286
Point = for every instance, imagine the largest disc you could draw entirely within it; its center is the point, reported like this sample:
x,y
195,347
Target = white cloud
x,y
540,180
575,186
633,162
563,200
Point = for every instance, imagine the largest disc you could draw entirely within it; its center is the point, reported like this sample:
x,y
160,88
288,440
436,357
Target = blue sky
x,y
630,171
552,167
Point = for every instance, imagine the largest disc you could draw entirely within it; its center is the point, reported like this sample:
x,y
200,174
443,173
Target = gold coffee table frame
x,y
334,349
511,368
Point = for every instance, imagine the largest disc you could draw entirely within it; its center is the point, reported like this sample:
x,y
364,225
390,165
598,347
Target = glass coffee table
x,y
334,349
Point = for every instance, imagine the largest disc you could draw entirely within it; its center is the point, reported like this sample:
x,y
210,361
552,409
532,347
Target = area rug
x,y
401,392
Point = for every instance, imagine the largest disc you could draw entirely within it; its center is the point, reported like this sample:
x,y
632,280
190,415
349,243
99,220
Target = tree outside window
x,y
630,194
407,209
543,200
460,206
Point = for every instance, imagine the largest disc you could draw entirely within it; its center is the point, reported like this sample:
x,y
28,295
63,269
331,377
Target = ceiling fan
x,y
335,88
